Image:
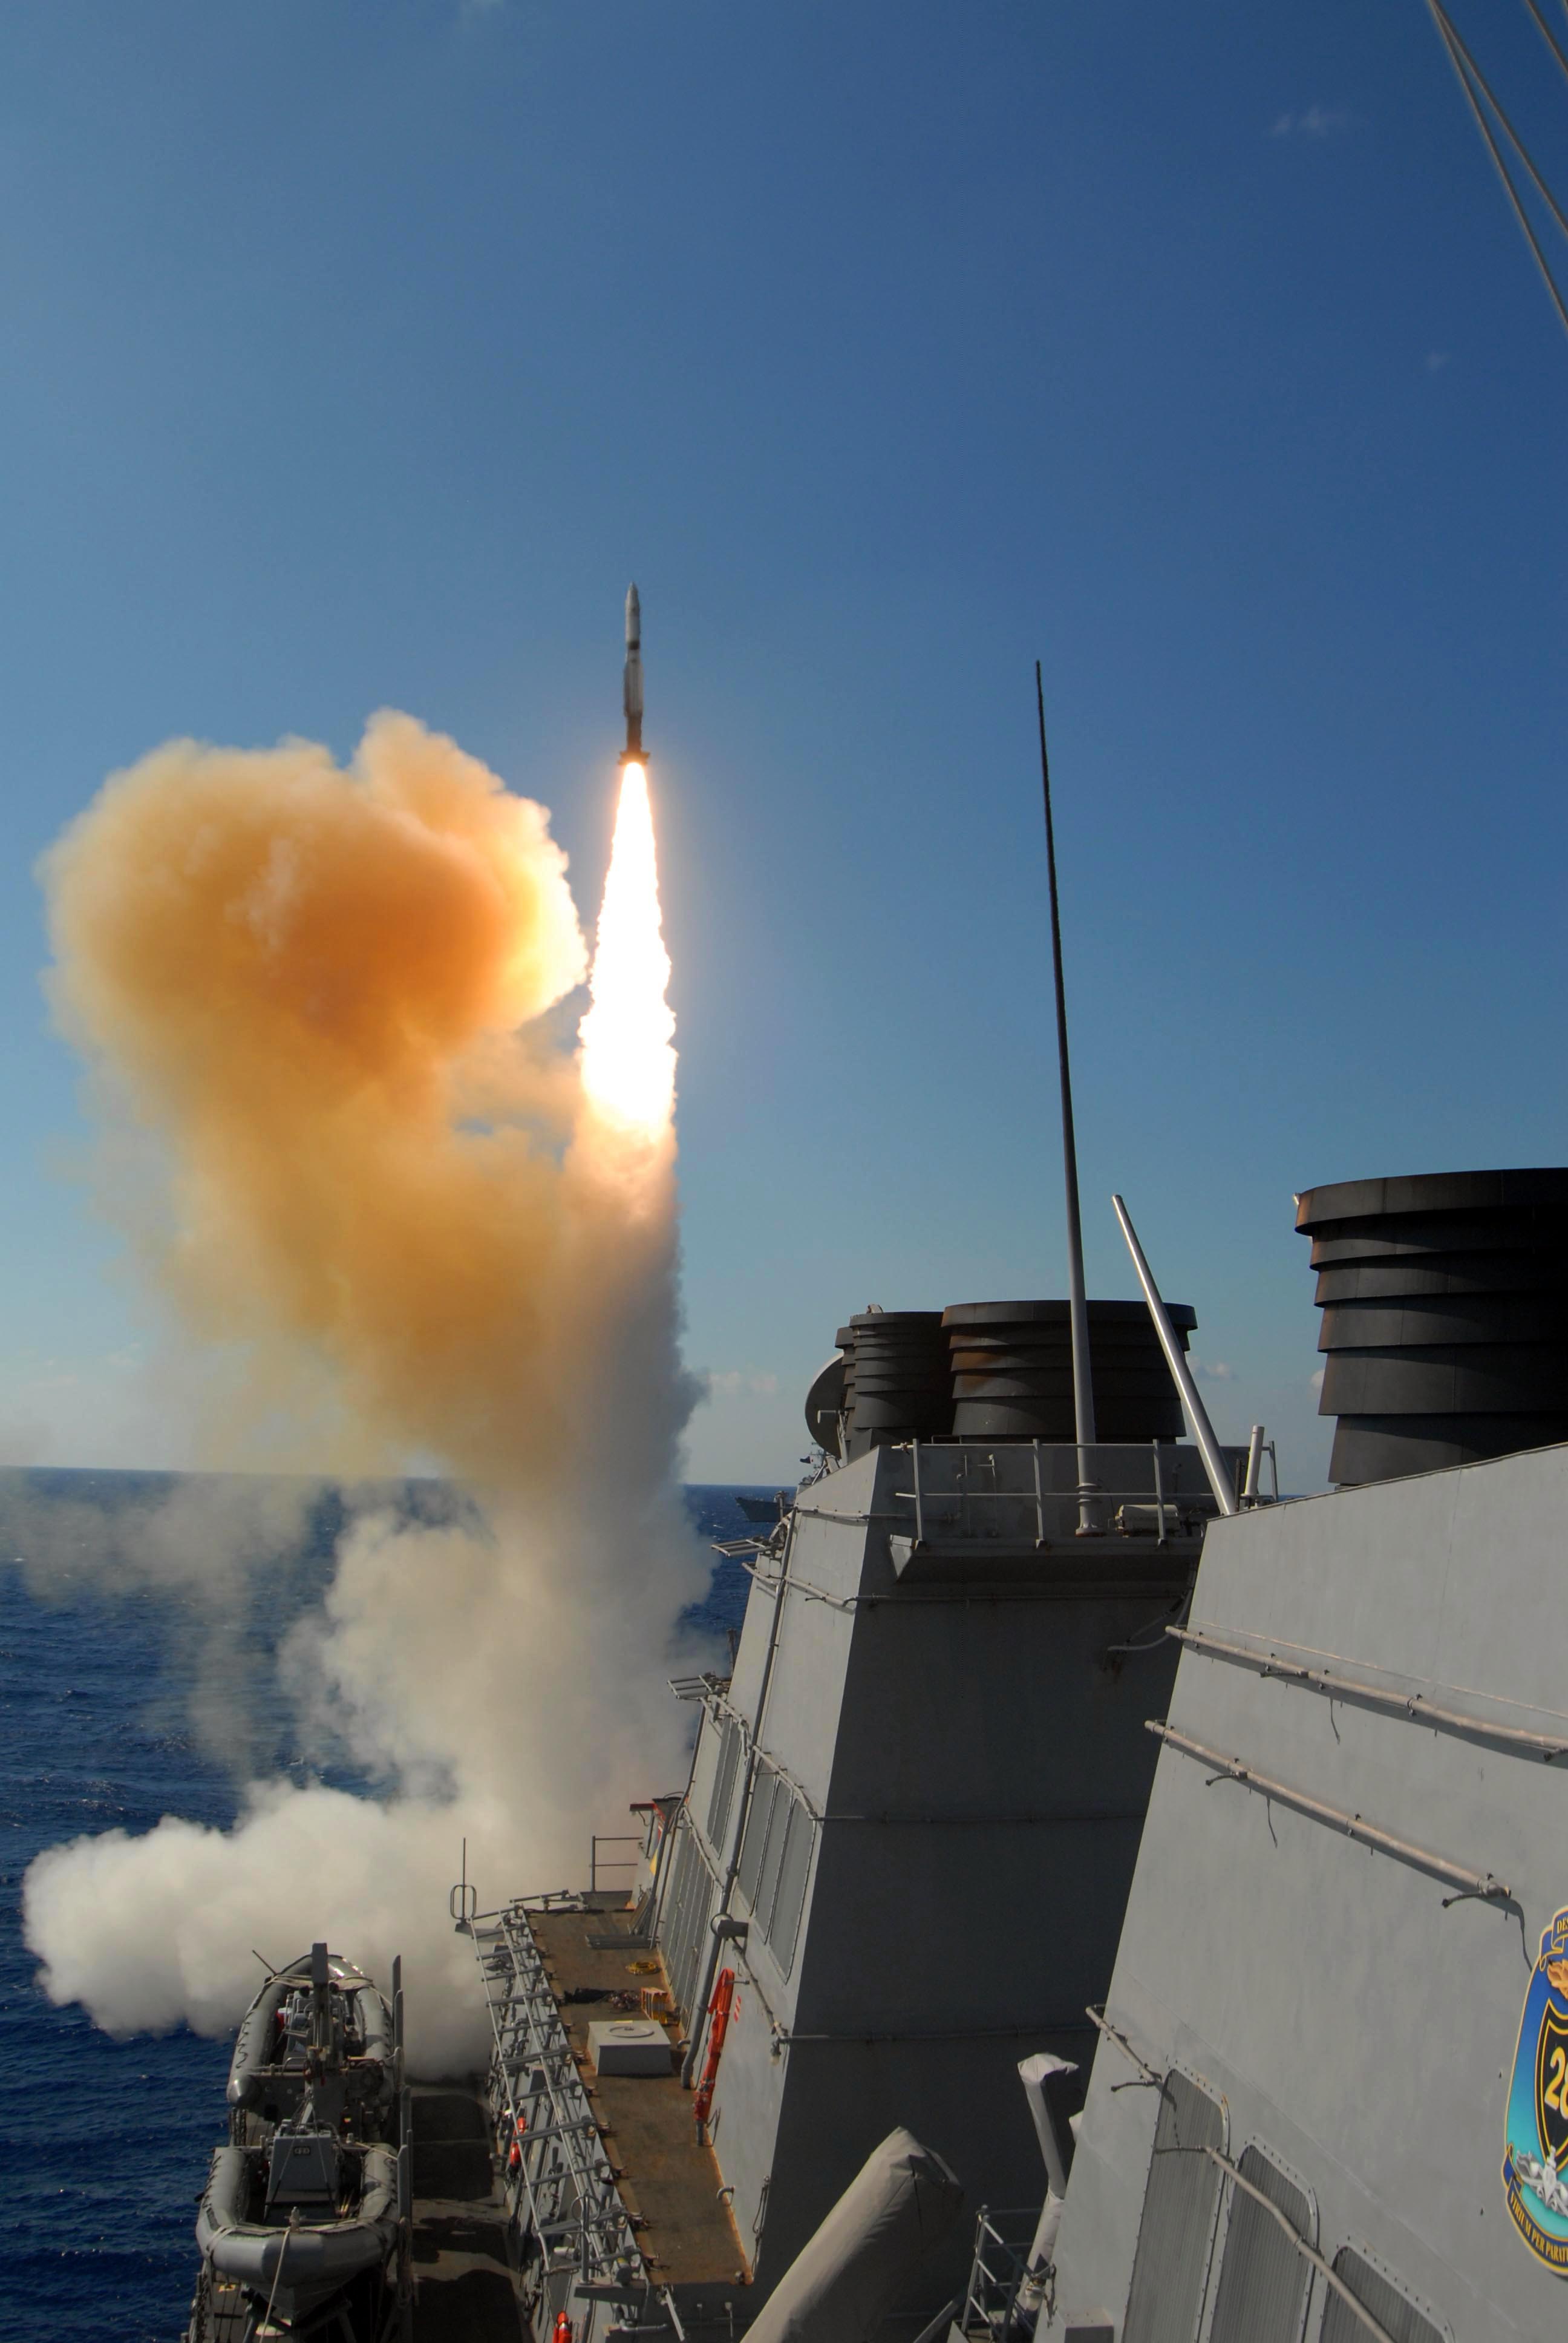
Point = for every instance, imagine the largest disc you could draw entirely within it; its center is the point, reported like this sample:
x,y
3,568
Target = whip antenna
x,y
1083,1373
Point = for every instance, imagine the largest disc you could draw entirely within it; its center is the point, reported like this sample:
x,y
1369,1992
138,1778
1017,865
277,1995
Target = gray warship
x,y
1172,1875
1109,1902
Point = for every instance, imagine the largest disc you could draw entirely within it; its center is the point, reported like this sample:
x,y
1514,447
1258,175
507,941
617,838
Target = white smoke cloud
x,y
372,1193
505,1687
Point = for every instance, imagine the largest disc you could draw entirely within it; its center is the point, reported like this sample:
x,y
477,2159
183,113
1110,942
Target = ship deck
x,y
669,2179
464,2288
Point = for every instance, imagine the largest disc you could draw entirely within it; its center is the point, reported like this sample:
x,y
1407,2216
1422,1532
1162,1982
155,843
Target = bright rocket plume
x,y
627,1063
393,1214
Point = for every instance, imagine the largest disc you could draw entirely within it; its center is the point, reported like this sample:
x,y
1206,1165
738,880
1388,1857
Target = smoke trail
x,y
398,1220
228,1551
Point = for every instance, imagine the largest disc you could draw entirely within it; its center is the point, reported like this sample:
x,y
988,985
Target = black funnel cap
x,y
1444,1329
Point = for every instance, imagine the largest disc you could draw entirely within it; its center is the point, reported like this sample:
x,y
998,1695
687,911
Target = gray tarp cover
x,y
900,2202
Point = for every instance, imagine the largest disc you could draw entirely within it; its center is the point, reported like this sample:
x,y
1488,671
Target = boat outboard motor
x,y
901,2201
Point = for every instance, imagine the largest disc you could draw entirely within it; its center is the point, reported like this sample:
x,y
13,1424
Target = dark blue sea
x,y
104,2146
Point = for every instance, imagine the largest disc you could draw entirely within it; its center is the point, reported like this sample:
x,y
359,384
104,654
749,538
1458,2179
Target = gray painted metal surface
x,y
1393,2311
1182,2199
937,1816
1356,2012
901,2203
1264,2283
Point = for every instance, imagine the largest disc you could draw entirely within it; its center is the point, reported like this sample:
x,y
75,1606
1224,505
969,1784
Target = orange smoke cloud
x,y
384,1181
306,982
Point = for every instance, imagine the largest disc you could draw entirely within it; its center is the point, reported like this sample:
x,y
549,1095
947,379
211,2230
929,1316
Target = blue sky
x,y
356,352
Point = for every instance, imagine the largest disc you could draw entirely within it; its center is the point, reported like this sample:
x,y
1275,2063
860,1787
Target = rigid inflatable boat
x,y
278,2056
294,2224
303,2227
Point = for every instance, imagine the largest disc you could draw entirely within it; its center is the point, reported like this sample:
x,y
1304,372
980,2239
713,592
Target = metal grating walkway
x,y
560,2186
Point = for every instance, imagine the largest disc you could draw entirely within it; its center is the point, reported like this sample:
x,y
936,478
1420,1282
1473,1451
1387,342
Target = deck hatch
x,y
1263,2281
1393,2311
1179,2203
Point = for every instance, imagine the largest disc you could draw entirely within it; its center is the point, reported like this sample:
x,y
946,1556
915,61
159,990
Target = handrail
x,y
562,2172
618,1863
1055,1511
1414,1704
1479,1884
1309,2253
1102,2025
993,2292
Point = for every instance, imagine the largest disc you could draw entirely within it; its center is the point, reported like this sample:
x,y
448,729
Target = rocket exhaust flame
x,y
627,1063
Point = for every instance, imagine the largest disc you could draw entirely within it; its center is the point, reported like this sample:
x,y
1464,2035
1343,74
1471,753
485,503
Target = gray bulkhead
x,y
959,1761
1349,2016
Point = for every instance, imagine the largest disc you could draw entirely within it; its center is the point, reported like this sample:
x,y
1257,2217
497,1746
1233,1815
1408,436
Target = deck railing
x,y
998,2272
1026,1492
613,1863
560,2189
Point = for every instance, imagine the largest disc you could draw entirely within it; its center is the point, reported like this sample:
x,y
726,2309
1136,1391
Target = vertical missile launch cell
x,y
632,690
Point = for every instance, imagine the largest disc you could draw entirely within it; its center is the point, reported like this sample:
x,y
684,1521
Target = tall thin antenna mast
x,y
1083,1373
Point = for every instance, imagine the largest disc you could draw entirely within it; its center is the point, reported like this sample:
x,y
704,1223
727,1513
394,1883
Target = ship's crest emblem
x,y
1535,2158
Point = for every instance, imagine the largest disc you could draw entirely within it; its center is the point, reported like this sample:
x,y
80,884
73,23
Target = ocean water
x,y
104,2145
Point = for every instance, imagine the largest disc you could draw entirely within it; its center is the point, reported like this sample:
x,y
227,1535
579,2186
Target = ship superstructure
x,y
903,1857
1326,2103
902,1860
1303,2106
1244,1815
1057,1755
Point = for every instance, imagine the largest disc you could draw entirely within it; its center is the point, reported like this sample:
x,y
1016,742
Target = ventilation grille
x,y
723,1784
1179,2208
1263,2280
775,1861
1391,2310
685,1930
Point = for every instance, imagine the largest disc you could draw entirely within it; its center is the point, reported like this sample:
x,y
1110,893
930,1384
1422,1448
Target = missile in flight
x,y
631,691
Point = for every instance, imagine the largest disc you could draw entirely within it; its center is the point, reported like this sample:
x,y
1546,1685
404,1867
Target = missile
x,y
631,689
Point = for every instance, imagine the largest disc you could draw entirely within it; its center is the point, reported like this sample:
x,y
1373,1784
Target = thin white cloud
x,y
1313,122
742,1382
1316,1381
1212,1371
